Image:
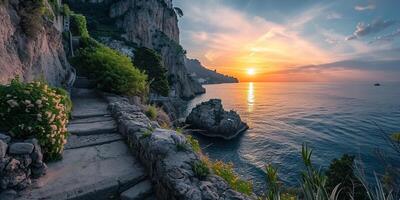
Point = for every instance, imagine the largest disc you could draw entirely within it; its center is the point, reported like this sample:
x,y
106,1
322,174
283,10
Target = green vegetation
x,y
147,134
151,112
32,17
396,137
112,71
226,171
79,25
149,61
201,169
193,143
36,110
341,172
178,11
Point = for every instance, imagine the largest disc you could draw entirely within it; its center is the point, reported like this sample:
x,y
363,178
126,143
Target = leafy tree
x,y
341,172
149,61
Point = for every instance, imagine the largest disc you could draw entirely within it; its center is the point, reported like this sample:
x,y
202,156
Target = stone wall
x,y
19,162
170,168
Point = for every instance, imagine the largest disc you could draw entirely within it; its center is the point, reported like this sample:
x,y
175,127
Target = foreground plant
x,y
36,110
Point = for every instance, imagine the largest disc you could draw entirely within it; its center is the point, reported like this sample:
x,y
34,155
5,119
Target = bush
x,y
32,17
112,71
201,169
149,61
341,172
36,110
151,112
78,25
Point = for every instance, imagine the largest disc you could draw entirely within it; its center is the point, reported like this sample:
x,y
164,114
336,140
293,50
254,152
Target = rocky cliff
x,y
30,45
206,76
152,24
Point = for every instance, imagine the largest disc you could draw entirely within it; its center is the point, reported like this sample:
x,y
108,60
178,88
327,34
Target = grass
x,y
151,112
193,143
226,171
146,134
201,169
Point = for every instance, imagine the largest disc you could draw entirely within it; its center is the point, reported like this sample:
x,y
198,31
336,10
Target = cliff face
x,y
30,57
154,24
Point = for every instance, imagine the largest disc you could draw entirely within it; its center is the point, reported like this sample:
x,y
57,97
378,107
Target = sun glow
x,y
251,71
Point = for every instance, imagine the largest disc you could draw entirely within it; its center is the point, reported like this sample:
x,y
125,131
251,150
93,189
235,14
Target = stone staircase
x,y
96,164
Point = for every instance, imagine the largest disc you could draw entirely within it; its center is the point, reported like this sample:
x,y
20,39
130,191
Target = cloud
x,y
388,37
365,7
333,15
376,26
227,38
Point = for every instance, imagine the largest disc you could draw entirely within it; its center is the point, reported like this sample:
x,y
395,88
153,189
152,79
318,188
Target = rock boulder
x,y
211,117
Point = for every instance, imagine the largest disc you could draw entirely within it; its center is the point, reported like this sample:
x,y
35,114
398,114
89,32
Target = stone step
x,y
84,93
94,128
142,190
75,141
91,120
83,82
96,172
89,107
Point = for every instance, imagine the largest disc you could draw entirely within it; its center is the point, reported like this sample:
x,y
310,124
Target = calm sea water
x,y
332,118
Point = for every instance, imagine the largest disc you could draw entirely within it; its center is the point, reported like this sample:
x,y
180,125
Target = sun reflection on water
x,y
250,97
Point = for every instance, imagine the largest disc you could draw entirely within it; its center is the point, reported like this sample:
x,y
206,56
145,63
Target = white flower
x,y
38,102
8,95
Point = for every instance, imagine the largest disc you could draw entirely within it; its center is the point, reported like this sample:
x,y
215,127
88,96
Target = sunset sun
x,y
251,71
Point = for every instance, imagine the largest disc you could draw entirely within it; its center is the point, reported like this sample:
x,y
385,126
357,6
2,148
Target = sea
x,y
332,118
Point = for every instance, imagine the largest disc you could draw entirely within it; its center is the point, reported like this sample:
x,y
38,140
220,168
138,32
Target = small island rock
x,y
211,117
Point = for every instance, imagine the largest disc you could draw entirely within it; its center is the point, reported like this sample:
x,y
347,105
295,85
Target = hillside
x,y
206,76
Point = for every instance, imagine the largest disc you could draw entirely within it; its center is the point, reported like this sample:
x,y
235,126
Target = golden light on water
x,y
250,97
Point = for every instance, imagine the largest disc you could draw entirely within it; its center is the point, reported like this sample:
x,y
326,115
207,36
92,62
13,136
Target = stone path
x,y
96,163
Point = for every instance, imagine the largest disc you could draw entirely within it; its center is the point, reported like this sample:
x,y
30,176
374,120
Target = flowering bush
x,y
36,110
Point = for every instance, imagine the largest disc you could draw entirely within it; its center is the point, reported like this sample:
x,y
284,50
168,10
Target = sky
x,y
294,40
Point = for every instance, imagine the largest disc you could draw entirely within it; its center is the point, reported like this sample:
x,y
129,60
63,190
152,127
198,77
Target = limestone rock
x,y
8,195
30,58
3,149
211,117
5,138
21,148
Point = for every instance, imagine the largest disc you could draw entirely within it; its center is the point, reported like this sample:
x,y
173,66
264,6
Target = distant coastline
x,y
206,76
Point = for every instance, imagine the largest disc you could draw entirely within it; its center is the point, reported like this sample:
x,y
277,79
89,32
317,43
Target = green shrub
x,y
112,71
201,169
151,112
147,134
36,110
32,17
149,61
226,171
341,172
66,11
79,25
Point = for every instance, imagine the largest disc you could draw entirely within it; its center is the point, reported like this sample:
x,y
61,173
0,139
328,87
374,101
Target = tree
x,y
178,11
150,62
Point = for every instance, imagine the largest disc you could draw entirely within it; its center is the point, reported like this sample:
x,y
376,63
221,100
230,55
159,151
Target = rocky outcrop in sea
x,y
211,117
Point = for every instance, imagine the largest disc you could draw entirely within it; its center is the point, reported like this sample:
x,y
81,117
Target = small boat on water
x,y
377,84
